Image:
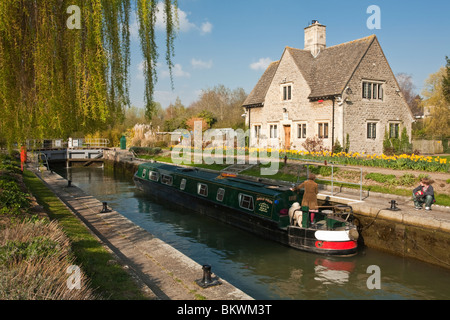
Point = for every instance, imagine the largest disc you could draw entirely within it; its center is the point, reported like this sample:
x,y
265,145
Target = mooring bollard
x,y
206,274
207,281
69,183
393,206
105,208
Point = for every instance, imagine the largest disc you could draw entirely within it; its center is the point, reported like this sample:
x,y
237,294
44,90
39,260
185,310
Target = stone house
x,y
347,91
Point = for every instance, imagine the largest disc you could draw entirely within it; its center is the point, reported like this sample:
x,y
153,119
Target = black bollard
x,y
393,206
69,183
207,281
206,274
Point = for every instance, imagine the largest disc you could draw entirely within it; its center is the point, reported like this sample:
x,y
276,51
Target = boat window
x,y
165,179
220,194
183,184
246,202
202,189
144,172
154,175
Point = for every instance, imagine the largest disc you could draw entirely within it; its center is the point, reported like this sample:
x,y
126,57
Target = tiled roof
x,y
257,96
327,74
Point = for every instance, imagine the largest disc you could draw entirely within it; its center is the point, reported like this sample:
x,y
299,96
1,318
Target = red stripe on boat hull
x,y
336,245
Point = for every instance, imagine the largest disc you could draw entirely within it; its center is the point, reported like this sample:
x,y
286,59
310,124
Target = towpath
x,y
164,272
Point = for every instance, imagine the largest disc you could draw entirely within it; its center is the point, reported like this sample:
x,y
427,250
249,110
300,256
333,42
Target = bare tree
x,y
409,92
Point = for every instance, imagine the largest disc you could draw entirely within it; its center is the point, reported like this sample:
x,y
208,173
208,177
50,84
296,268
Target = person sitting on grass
x,y
424,193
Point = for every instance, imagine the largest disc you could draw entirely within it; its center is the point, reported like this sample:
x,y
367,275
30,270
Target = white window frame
x,y
201,187
369,92
167,179
286,92
183,184
273,131
221,192
153,175
370,127
321,129
300,127
249,198
392,123
257,131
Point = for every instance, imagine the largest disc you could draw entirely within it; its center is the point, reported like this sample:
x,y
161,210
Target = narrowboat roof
x,y
271,189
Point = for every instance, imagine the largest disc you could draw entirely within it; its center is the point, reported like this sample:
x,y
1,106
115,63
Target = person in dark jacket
x,y
424,194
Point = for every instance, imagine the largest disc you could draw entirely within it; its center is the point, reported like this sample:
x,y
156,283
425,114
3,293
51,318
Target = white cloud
x,y
199,64
261,64
184,24
177,72
206,28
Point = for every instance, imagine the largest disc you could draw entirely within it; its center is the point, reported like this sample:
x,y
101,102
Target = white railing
x,y
87,143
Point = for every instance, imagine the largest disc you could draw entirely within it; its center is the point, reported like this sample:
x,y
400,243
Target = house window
x,y
372,91
323,130
154,175
246,202
220,194
301,131
202,189
183,184
257,131
394,130
165,179
371,130
287,93
273,131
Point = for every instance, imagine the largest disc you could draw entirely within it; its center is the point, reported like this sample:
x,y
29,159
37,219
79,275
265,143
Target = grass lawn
x,y
108,280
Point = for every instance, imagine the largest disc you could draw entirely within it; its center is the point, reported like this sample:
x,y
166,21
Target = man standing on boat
x,y
311,191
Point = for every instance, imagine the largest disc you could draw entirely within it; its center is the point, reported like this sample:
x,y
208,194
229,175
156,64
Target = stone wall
x,y
358,112
299,110
428,146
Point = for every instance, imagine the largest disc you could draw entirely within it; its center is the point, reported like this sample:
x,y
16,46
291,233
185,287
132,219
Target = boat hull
x,y
299,238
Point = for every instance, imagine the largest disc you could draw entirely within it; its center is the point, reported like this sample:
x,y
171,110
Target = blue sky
x,y
230,42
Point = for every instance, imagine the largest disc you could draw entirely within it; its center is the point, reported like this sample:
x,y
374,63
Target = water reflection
x,y
333,272
261,268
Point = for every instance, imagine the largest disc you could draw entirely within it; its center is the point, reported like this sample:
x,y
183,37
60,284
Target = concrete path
x,y
378,205
166,272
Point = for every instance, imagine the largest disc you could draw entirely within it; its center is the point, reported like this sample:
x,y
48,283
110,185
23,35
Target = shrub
x,y
34,259
12,199
146,151
313,144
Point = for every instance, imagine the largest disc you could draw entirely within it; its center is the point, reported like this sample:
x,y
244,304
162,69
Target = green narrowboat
x,y
262,207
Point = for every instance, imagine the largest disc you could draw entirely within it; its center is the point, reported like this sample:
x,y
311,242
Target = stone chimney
x,y
315,37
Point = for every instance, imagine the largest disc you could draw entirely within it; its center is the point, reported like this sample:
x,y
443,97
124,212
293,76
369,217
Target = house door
x,y
287,137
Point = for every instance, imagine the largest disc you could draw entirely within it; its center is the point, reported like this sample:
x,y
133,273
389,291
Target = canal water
x,y
261,268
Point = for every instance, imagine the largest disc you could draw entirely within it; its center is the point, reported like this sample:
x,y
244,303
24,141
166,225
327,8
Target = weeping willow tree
x,y
56,79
